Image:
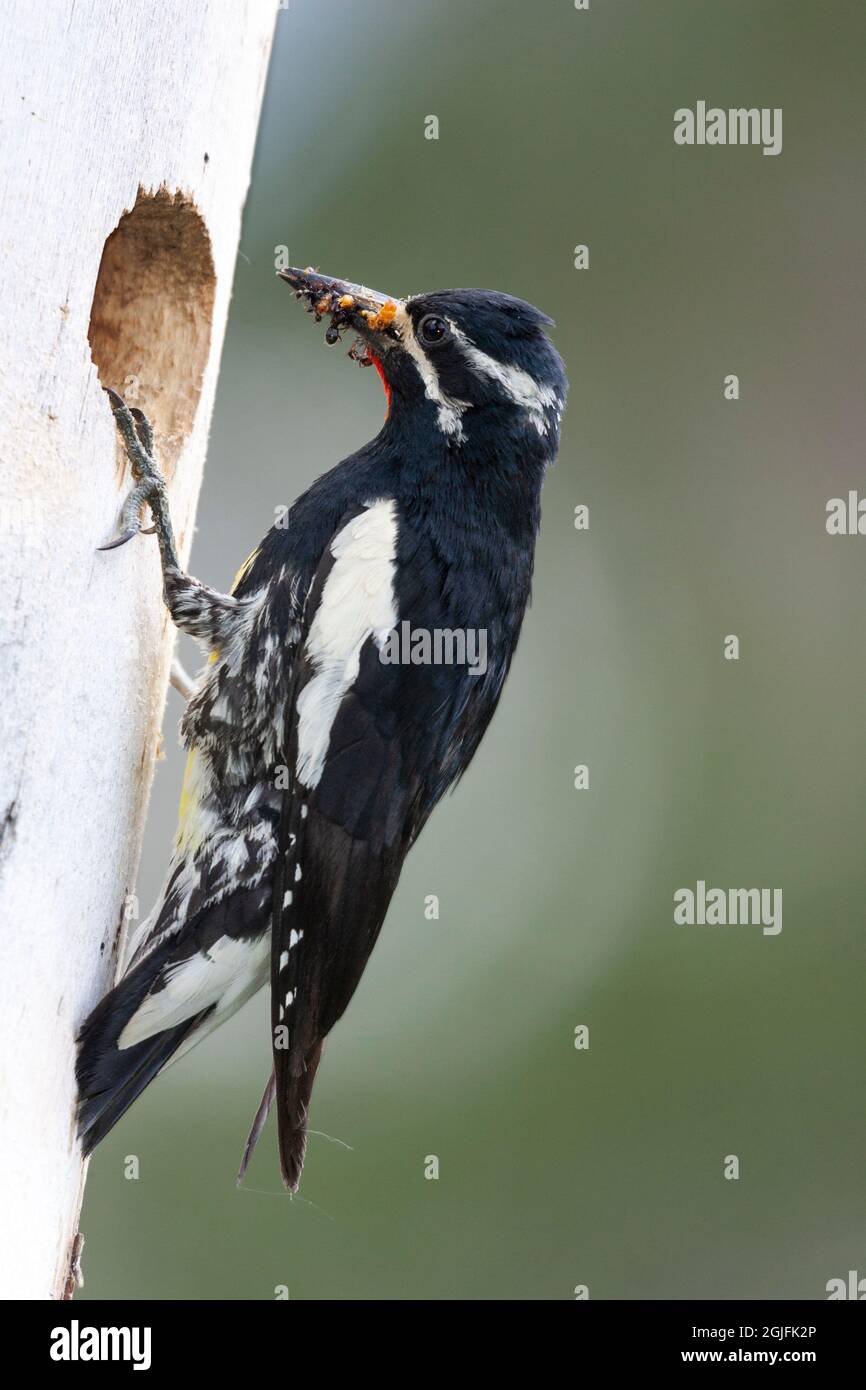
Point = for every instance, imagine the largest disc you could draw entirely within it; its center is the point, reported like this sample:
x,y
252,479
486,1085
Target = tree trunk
x,y
128,132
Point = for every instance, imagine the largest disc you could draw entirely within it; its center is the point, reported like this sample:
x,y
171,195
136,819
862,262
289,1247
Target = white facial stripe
x,y
448,411
522,388
357,602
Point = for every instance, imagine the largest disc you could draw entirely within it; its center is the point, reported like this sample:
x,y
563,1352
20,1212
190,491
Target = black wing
x,y
399,735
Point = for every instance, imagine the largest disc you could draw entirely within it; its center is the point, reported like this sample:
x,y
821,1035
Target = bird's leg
x,y
182,681
149,483
204,613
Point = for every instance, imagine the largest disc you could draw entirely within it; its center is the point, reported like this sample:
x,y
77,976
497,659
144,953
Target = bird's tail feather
x,y
110,1078
293,1102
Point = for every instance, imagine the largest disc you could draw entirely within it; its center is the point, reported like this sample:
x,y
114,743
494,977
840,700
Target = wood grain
x,y
102,103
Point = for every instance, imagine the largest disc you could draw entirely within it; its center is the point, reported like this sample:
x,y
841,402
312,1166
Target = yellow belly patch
x,y
189,828
245,568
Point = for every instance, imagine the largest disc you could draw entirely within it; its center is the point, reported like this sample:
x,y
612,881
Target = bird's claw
x,y
121,539
149,487
143,429
147,490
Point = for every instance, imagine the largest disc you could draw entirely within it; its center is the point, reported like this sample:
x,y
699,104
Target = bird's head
x,y
465,359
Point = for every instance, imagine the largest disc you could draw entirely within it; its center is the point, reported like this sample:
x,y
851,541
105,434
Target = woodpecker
x,y
314,762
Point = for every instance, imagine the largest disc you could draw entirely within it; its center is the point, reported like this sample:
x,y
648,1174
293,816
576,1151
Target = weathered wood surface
x,y
98,99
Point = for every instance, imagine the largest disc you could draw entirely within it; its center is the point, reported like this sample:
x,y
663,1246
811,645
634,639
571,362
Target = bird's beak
x,y
348,306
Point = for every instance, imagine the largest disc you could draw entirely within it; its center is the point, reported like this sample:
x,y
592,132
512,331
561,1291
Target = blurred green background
x,y
560,1167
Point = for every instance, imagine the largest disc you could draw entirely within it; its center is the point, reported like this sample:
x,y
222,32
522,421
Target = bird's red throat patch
x,y
377,363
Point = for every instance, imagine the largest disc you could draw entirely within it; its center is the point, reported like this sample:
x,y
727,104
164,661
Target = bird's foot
x,y
137,435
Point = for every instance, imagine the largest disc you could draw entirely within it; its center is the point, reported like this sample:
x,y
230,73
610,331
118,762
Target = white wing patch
x,y
227,976
357,603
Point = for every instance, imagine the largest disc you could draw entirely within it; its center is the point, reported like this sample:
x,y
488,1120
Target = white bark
x,y
97,99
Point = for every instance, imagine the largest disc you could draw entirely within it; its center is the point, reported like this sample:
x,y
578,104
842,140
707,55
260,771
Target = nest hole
x,y
150,324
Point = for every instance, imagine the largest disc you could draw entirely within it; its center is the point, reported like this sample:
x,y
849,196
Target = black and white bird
x,y
313,760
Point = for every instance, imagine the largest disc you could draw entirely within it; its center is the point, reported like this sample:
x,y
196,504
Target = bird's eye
x,y
432,330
